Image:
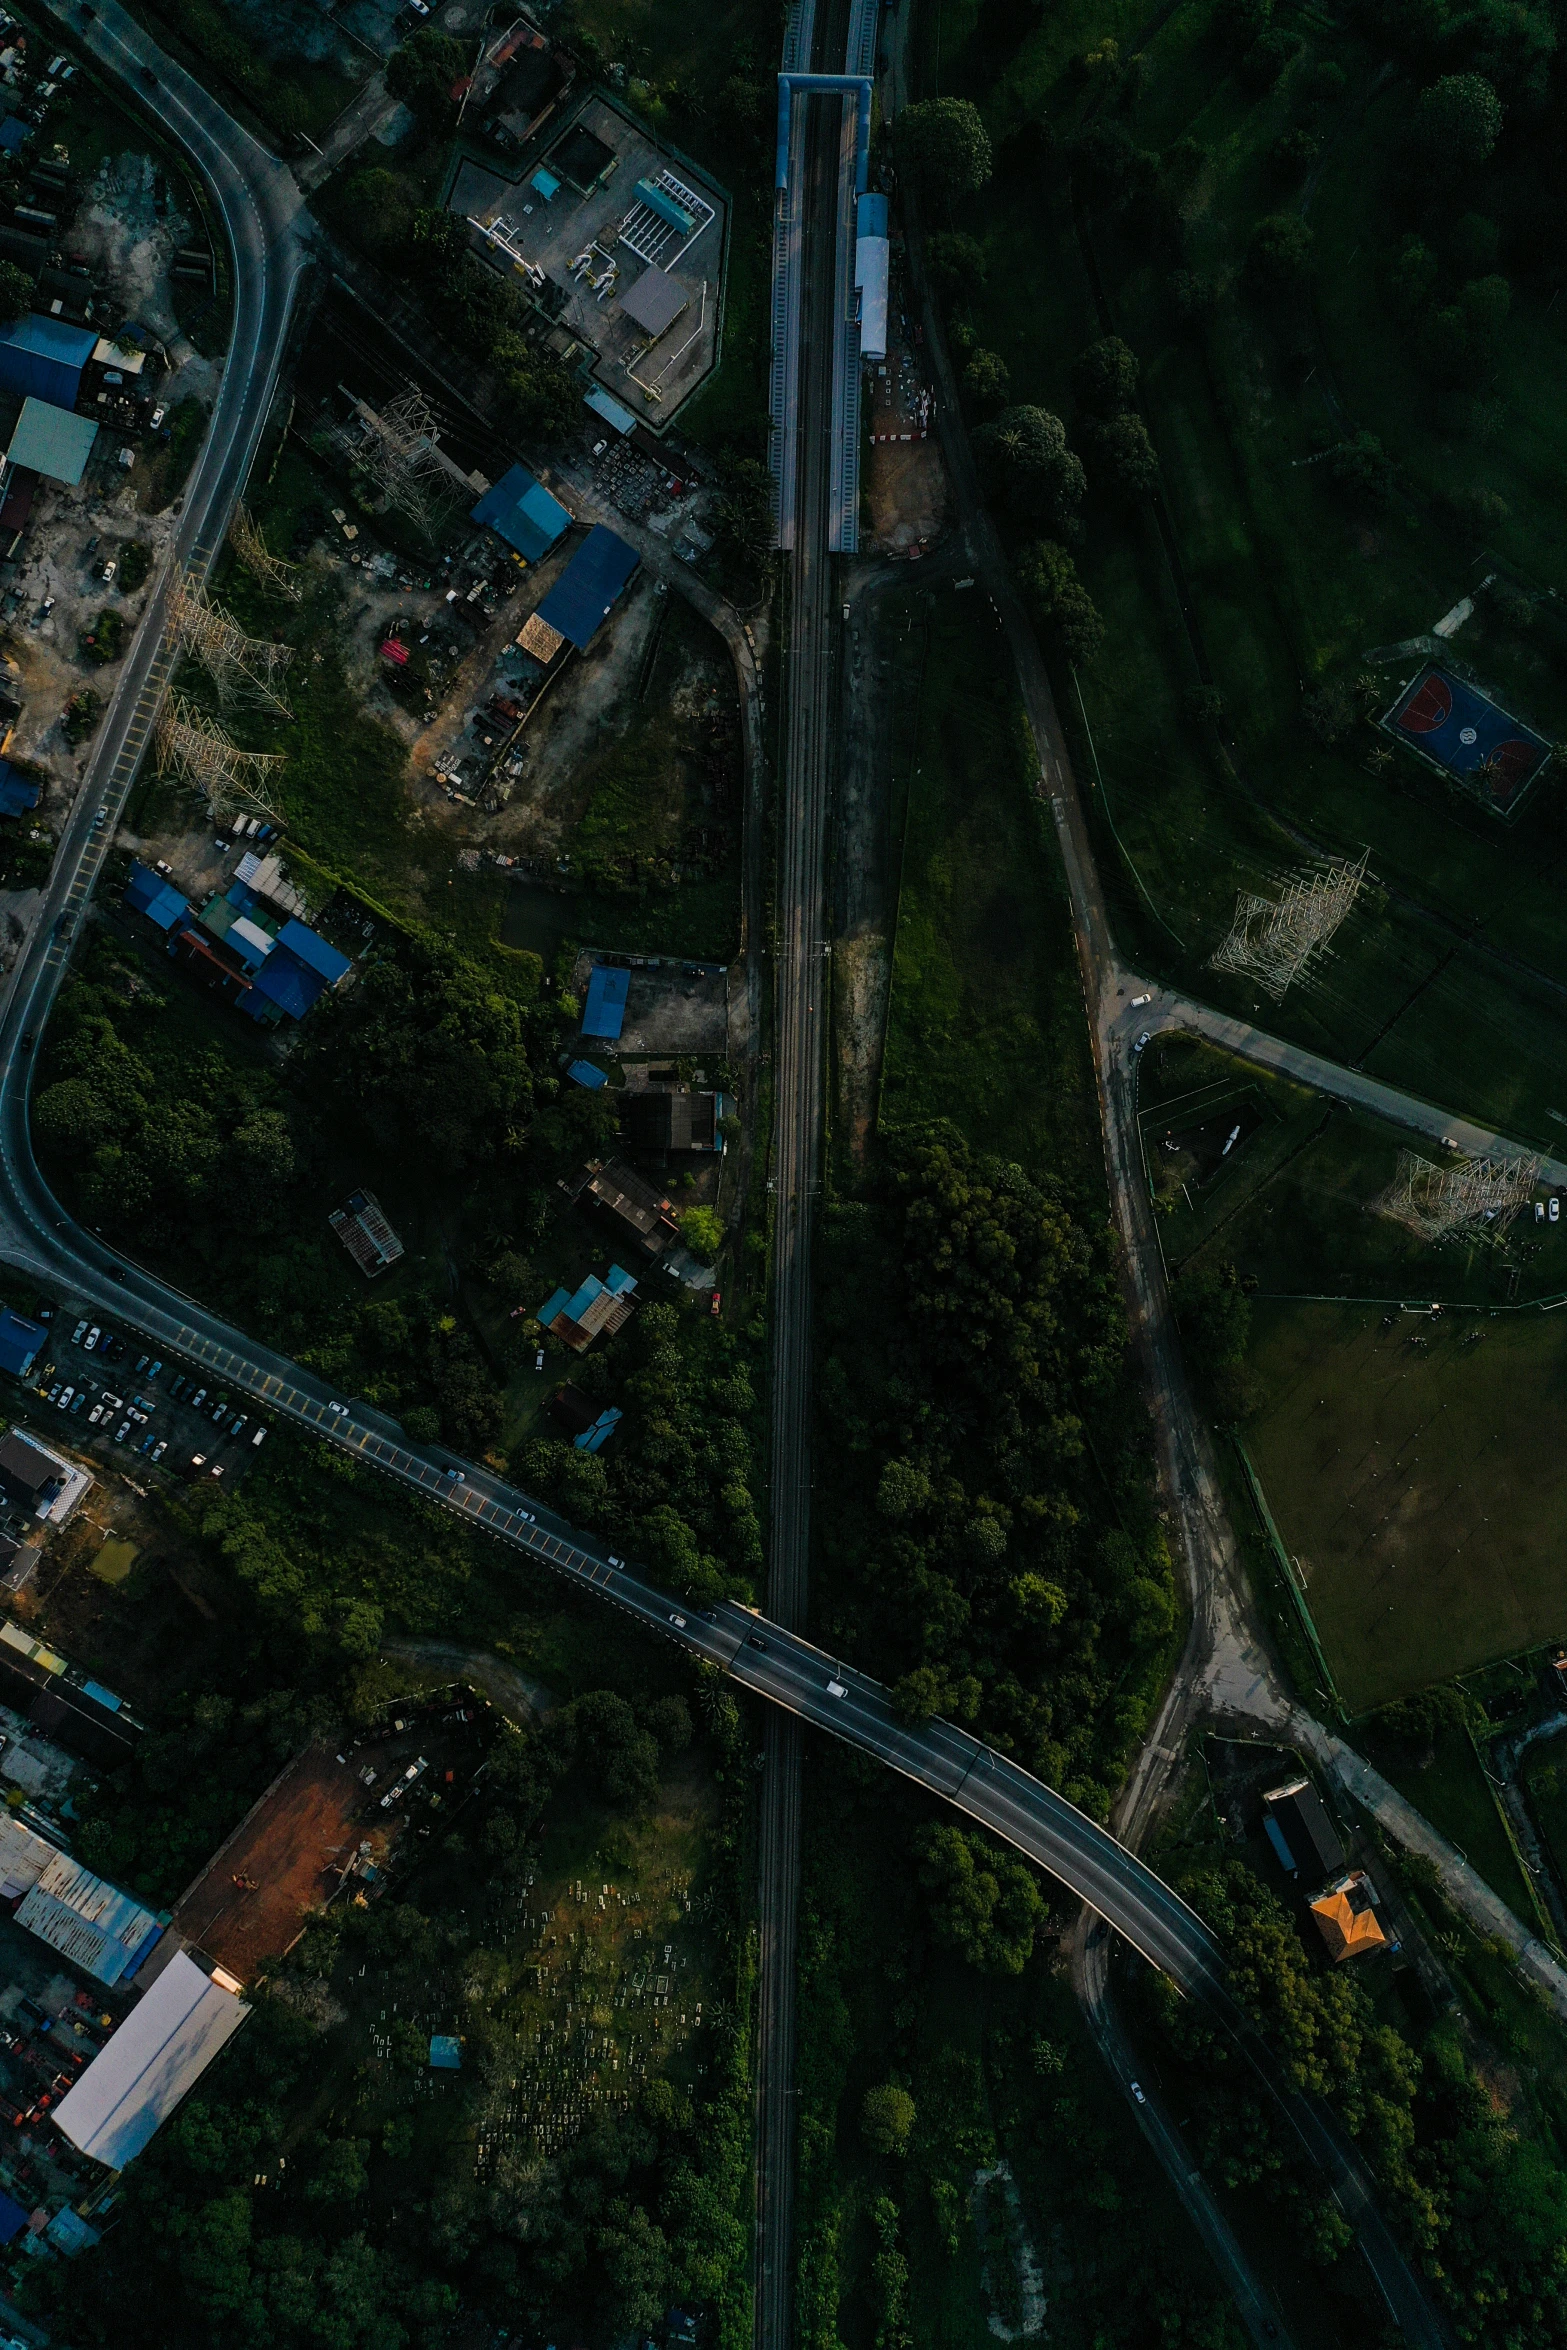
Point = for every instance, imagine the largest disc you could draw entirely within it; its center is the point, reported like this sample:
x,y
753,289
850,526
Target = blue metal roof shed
x,y
521,511
43,358
589,588
311,950
605,1014
148,893
18,792
19,1342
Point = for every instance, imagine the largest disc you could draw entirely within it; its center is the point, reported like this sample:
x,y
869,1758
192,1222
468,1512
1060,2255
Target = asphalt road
x,y
259,204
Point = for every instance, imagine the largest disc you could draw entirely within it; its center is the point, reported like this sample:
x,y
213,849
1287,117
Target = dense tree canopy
x,y
1025,463
946,142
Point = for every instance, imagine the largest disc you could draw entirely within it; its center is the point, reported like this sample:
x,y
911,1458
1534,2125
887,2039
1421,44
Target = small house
x,y
1347,1919
596,1309
637,1212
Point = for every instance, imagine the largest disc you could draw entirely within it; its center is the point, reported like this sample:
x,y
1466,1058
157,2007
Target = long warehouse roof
x,y
160,2051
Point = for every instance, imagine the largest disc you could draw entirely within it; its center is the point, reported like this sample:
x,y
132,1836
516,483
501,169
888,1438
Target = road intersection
x,y
260,206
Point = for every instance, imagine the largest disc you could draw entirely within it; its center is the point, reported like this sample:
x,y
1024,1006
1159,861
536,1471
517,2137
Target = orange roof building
x,y
1346,1917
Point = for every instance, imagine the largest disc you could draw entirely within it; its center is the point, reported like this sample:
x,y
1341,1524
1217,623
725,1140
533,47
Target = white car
x,y
1137,2092
1554,1211
1143,1042
679,1622
64,1403
156,418
92,1338
78,1333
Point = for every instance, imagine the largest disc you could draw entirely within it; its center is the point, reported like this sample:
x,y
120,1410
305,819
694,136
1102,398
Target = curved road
x,y
260,207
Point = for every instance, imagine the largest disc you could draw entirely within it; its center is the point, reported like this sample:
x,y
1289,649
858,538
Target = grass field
x,y
985,1023
1448,976
1288,1203
1420,1487
1453,1794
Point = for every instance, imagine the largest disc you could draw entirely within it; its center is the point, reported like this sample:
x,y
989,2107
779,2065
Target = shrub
x,y
1266,59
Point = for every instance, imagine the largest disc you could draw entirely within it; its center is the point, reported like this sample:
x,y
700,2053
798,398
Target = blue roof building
x,y
19,1342
588,1074
590,587
521,511
595,1438
605,1013
18,792
307,948
148,893
43,358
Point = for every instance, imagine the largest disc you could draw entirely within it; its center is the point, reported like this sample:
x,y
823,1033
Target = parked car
x,y
159,1449
64,1404
92,1338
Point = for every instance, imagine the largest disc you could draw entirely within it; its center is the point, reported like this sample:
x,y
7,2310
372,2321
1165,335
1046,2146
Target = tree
x,y
381,209
987,380
430,1053
743,511
423,74
16,290
1104,377
1279,258
1458,342
1238,23
887,2118
1458,121
953,262
1049,580
1411,276
986,1904
1123,456
1025,462
702,1230
944,140
1362,469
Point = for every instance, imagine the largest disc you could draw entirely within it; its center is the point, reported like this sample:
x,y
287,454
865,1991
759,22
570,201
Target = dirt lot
x,y
302,1827
671,1008
905,484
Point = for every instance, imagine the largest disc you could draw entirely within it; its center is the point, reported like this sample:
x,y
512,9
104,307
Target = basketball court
x,y
1461,731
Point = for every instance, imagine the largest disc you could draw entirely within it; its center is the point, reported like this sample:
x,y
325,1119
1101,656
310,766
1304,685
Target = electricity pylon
x,y
243,668
265,568
189,745
1272,942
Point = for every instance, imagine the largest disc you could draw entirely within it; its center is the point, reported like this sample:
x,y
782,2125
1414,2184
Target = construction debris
x,y
1273,942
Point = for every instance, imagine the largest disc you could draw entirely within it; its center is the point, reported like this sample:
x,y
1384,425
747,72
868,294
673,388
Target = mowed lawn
x,y
1423,1489
985,1024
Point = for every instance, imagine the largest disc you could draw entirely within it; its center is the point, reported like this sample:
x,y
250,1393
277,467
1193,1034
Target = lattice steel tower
x,y
1480,1195
243,668
189,745
1272,942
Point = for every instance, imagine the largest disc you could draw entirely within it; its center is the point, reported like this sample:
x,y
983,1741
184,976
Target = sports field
x,y
1422,1487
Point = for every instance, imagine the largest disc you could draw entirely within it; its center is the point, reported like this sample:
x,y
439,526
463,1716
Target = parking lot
x,y
111,1396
